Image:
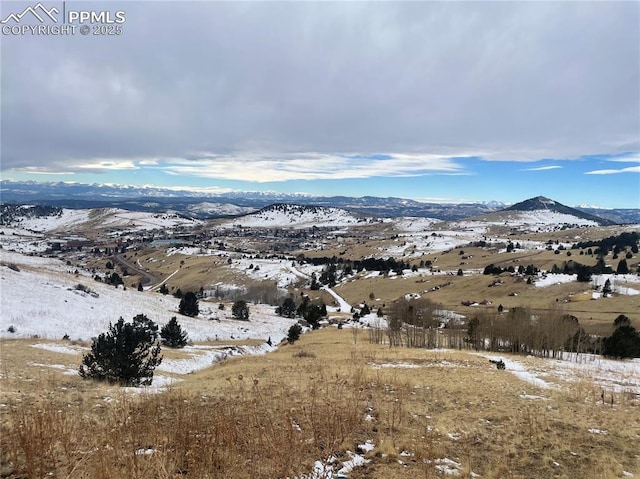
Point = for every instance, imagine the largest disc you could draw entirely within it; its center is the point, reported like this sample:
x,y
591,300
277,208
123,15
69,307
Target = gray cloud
x,y
521,81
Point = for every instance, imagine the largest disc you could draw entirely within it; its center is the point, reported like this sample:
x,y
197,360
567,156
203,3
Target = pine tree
x,y
584,274
623,343
189,305
622,267
240,310
312,315
288,308
126,354
173,335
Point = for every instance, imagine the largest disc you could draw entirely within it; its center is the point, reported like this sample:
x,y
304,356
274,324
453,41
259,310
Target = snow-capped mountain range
x,y
203,203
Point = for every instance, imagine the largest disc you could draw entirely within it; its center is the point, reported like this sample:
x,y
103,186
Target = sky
x,y
474,101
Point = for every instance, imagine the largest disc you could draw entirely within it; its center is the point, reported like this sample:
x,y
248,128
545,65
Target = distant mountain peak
x,y
542,203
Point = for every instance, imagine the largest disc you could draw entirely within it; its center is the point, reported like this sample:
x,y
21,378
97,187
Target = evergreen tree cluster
x,y
348,266
585,272
612,243
624,342
126,354
311,312
529,270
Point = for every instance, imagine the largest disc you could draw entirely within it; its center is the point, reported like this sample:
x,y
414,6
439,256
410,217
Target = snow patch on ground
x,y
58,308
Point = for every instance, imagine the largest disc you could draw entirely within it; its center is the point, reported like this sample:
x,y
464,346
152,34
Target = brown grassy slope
x,y
596,316
274,415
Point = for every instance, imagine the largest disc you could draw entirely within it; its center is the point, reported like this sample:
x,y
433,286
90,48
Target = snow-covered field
x,y
43,299
70,219
608,374
536,220
293,216
597,281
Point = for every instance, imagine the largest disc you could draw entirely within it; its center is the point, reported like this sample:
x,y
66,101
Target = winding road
x,y
146,277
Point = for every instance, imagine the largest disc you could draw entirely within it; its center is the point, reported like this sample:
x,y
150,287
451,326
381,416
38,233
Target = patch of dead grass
x,y
241,418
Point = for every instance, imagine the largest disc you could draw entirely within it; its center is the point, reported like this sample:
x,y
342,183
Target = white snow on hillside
x,y
617,281
416,244
137,220
608,374
22,241
294,216
283,271
536,220
220,209
543,218
551,279
414,224
66,219
70,219
42,299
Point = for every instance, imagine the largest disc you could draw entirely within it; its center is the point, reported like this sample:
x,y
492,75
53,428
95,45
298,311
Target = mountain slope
x,y
64,220
302,216
541,207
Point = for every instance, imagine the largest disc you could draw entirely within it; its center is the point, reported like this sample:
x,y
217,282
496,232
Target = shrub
x,y
584,274
173,335
304,354
189,305
126,354
288,308
312,315
240,310
294,333
115,279
622,320
492,269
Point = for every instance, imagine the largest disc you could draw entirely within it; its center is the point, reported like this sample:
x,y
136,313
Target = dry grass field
x,y
333,400
190,272
425,413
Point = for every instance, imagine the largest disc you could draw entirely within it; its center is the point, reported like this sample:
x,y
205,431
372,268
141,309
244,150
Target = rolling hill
x,y
301,216
541,206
